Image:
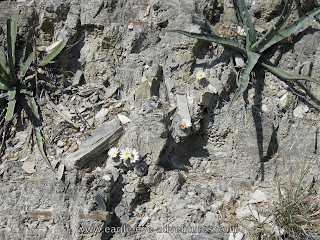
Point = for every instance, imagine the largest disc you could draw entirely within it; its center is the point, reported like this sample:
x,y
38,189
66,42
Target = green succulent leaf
x,y
3,64
11,36
237,12
55,52
14,30
245,74
291,29
3,86
242,11
35,119
41,146
11,104
283,74
213,38
275,28
24,68
4,76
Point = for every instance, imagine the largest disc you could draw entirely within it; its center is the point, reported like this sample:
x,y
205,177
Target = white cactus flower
x,y
200,74
125,154
113,152
185,123
134,155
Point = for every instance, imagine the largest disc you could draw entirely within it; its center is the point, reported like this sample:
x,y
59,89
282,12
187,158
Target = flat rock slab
x,y
183,109
99,141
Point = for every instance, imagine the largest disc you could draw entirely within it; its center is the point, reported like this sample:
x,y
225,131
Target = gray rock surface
x,y
203,176
100,140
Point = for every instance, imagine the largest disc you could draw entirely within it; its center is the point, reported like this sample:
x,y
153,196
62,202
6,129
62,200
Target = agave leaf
x,y
11,104
3,86
35,117
251,36
11,51
14,30
4,76
26,65
275,28
56,50
237,12
4,79
245,74
283,74
3,64
41,146
213,38
291,29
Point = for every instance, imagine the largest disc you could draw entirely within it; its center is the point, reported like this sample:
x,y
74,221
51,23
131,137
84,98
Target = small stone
x,y
239,61
29,167
211,217
148,87
60,171
181,213
173,61
222,186
74,147
196,207
111,91
123,119
264,108
129,188
143,221
281,93
241,31
212,89
61,143
286,101
300,111
102,114
216,205
78,78
107,177
246,211
191,194
169,84
237,236
206,98
257,197
260,29
130,26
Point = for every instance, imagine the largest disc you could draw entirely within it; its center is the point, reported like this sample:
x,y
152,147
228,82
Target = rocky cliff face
x,y
130,84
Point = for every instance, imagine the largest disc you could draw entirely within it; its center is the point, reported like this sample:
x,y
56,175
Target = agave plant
x,y
254,47
13,87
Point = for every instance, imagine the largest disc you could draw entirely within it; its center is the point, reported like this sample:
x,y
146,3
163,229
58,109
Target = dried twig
x,y
76,126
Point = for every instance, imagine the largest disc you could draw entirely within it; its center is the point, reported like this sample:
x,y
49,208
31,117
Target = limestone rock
x,y
183,109
99,141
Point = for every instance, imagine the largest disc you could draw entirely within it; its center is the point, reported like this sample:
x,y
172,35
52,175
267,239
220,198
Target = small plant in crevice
x,y
15,89
296,213
254,47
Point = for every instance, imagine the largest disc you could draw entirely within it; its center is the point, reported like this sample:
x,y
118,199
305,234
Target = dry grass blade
x,y
76,126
